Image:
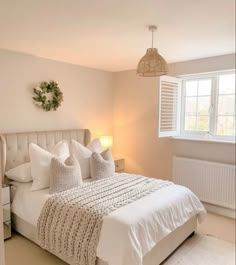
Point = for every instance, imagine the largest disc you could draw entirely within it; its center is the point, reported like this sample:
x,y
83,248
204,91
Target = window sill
x,y
221,141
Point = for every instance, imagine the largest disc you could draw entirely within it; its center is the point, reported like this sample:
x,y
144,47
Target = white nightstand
x,y
119,164
6,206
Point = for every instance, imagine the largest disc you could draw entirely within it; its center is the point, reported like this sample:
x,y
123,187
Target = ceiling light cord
x,y
152,28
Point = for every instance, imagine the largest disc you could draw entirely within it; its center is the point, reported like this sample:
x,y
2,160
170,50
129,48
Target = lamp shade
x,y
152,64
106,141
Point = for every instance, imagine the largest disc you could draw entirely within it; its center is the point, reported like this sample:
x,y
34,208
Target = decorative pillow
x,y
102,165
107,155
41,161
65,175
95,145
83,155
21,173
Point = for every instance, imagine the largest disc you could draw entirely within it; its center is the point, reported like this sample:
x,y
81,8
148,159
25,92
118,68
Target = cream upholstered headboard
x,y
14,147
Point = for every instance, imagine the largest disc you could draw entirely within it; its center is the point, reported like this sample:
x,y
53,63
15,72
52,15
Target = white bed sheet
x,y
131,231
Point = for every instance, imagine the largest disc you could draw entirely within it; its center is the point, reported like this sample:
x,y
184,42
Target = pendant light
x,y
152,63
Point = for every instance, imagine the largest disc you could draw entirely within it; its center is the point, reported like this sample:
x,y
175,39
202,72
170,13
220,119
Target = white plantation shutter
x,y
169,106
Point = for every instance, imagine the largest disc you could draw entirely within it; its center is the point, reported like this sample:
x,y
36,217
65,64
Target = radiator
x,y
212,182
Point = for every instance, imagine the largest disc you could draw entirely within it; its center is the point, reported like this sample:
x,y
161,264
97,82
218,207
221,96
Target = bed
x,y
150,245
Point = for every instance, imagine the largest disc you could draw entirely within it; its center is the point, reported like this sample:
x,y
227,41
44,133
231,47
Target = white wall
x,y
87,95
136,118
211,64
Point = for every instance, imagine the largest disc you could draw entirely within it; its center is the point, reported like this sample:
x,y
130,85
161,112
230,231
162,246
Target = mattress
x,y
137,227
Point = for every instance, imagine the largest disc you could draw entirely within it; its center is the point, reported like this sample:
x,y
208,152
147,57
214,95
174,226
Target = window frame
x,y
211,134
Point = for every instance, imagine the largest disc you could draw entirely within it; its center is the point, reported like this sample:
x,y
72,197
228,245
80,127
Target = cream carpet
x,y
203,250
198,250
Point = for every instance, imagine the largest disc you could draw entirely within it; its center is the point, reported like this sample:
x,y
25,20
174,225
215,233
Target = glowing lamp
x,y
106,141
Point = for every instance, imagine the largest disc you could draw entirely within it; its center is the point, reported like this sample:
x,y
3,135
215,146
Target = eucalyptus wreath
x,y
41,99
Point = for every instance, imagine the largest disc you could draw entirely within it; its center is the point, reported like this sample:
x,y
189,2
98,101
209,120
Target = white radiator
x,y
212,182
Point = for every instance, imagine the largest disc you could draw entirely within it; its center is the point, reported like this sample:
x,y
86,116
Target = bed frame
x,y
14,150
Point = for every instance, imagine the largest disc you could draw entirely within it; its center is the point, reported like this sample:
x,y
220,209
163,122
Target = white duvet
x,y
131,231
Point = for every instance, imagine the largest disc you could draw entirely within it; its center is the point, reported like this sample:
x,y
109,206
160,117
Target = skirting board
x,y
220,210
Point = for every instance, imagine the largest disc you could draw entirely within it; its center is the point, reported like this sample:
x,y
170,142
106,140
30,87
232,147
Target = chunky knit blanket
x,y
70,223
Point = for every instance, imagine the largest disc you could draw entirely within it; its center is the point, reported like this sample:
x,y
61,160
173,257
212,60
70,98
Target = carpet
x,y
203,250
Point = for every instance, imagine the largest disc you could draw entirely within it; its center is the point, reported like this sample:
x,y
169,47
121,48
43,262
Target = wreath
x,y
41,93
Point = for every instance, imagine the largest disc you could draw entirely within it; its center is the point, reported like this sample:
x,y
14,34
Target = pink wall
x,y
135,120
121,104
135,105
87,95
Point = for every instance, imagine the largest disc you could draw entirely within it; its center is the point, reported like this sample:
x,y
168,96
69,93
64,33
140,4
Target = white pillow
x,y
83,155
102,165
41,163
21,173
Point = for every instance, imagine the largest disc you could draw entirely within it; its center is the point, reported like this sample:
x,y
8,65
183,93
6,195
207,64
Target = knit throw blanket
x,y
70,223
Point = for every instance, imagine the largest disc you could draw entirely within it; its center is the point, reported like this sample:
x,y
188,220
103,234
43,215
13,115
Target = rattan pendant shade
x,y
152,63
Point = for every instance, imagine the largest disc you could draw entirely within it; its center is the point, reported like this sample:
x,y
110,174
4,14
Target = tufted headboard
x,y
14,147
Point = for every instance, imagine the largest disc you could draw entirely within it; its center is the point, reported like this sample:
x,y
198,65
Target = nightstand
x,y
119,164
6,206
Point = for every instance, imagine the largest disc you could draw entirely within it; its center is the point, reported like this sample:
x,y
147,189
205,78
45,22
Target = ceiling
x,y
112,35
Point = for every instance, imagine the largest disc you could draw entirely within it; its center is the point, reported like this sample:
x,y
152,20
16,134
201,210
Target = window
x,y
206,106
225,112
197,105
